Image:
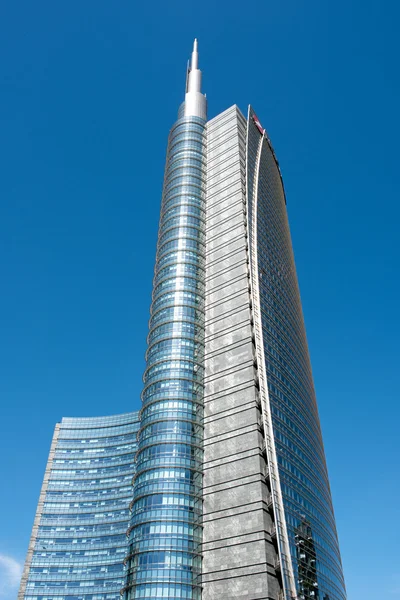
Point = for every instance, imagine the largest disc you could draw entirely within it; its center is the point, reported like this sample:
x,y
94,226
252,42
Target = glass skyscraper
x,y
230,495
78,541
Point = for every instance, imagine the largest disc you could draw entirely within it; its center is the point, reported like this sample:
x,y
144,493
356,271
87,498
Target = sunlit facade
x,y
230,495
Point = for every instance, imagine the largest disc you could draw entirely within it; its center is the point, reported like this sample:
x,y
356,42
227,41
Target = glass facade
x,y
78,544
164,559
96,537
297,434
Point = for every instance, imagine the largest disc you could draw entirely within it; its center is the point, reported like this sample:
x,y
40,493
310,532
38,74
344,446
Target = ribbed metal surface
x,y
165,531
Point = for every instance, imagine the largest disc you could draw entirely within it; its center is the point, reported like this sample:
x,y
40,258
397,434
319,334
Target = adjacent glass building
x,y
230,495
78,541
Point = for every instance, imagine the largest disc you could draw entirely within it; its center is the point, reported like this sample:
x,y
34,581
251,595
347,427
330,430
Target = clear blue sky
x,y
88,91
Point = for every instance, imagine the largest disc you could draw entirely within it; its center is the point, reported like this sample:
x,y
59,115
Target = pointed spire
x,y
195,101
194,82
195,55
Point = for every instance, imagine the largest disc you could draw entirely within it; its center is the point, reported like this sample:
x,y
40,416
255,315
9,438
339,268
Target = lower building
x,y
78,542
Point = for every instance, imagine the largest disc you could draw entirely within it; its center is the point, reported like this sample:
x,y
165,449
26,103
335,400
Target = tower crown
x,y
195,101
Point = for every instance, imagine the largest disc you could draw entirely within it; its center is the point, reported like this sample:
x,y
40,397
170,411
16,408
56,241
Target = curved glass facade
x,y
164,558
298,440
78,543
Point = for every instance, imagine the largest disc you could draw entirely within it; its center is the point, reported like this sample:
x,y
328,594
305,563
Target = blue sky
x,y
88,91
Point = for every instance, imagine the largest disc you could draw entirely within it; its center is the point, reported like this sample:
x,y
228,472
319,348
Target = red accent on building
x,y
258,124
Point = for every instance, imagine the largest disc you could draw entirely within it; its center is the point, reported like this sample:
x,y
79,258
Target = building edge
x,y
38,514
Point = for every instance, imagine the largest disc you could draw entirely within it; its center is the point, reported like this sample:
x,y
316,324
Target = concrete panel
x,y
238,554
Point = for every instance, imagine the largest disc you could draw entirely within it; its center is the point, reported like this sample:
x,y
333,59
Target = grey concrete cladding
x,y
239,556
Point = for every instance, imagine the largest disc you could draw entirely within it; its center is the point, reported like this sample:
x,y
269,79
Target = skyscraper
x,y
231,496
